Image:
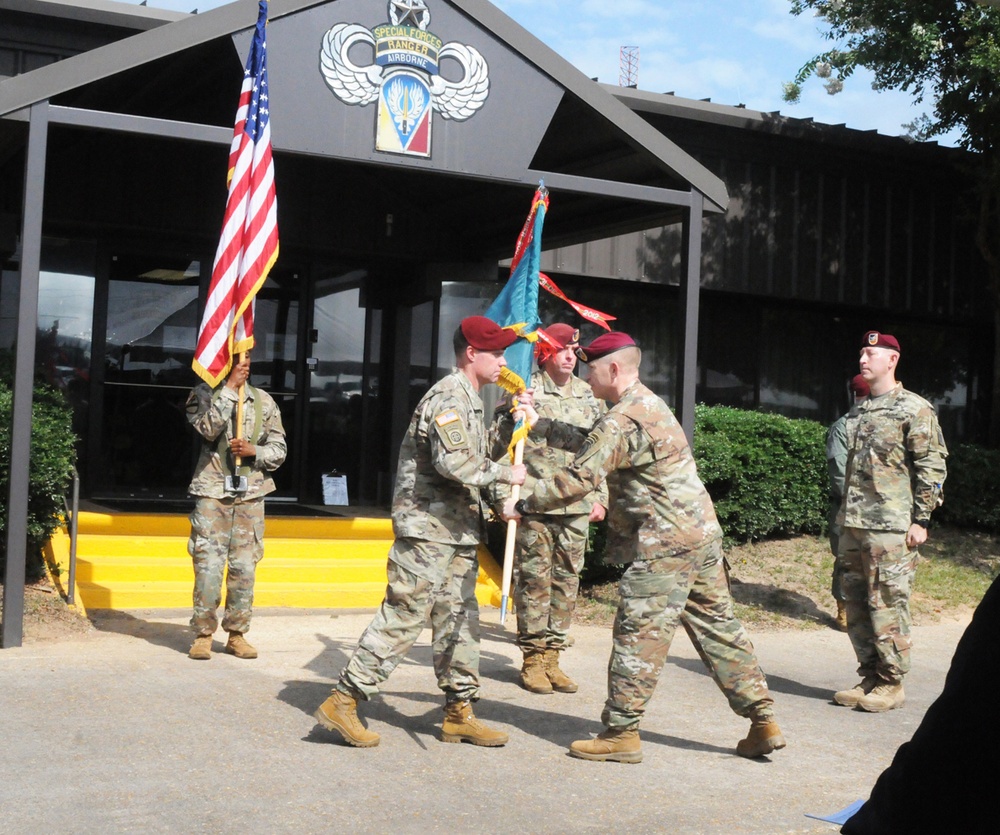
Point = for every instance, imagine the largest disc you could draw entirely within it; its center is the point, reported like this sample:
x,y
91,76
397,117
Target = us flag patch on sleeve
x,y
447,417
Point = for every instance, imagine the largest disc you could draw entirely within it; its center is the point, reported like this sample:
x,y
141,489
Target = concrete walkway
x,y
121,732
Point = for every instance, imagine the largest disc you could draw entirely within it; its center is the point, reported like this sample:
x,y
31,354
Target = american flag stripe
x,y
248,244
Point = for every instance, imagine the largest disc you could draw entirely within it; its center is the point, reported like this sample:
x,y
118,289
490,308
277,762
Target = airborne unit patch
x,y
451,430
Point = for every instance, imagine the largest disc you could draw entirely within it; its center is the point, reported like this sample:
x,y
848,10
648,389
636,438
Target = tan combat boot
x,y
850,698
460,725
340,713
764,737
841,616
884,696
201,649
557,678
533,677
239,646
620,745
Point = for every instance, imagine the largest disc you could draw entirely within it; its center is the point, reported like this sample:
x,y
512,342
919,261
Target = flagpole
x,y
508,549
240,394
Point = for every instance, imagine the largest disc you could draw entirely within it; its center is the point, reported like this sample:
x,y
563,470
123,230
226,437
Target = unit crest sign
x,y
405,78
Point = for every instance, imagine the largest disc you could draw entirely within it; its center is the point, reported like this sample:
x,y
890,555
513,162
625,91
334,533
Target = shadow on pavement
x,y
777,684
781,601
170,635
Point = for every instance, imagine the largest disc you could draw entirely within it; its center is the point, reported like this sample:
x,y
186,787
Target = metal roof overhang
x,y
616,173
587,205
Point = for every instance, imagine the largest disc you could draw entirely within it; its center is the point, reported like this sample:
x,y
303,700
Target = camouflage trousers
x,y
690,588
445,591
225,533
837,584
878,570
547,570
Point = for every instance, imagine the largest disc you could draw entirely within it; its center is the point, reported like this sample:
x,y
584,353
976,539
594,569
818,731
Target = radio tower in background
x,y
628,67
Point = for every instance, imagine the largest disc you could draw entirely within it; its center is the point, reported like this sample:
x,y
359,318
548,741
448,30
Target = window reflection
x,y
152,331
335,386
64,334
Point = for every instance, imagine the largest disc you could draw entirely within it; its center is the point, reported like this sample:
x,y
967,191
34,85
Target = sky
x,y
729,51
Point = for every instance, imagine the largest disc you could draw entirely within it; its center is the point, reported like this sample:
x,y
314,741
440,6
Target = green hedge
x,y
766,473
767,476
50,470
972,489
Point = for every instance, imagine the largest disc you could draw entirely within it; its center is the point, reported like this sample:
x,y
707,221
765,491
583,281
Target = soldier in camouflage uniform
x,y
895,472
437,519
550,547
663,524
227,528
836,463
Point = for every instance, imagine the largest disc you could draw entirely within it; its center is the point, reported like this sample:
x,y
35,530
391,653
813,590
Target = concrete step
x,y
140,561
104,569
106,546
160,594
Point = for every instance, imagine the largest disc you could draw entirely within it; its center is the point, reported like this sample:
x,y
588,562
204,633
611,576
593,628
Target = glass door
x,y
340,390
139,430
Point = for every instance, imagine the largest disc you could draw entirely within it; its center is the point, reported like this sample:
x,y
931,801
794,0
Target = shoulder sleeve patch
x,y
600,437
451,430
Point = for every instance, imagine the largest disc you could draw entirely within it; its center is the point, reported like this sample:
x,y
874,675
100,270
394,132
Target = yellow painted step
x,y
168,547
292,527
127,561
173,595
330,570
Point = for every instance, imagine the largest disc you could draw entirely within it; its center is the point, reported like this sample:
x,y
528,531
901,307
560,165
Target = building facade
x,y
396,213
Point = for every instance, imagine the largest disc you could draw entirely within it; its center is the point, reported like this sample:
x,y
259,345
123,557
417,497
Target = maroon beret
x,y
563,334
605,344
859,386
486,335
874,339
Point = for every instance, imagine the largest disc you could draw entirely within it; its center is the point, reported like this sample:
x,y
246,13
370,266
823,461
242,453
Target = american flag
x,y
248,246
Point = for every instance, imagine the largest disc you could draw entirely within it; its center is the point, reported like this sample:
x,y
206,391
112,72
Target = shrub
x,y
50,470
971,490
766,473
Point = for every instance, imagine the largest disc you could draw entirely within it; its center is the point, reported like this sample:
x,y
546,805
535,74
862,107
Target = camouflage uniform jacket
x,y
895,463
575,406
442,465
212,413
659,506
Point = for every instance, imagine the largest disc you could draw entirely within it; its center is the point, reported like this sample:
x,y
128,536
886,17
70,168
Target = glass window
x,y
150,336
335,388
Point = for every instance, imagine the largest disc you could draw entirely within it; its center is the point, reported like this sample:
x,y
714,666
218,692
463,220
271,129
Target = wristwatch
x,y
519,507
924,523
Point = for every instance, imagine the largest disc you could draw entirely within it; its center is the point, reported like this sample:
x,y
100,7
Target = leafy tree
x,y
946,53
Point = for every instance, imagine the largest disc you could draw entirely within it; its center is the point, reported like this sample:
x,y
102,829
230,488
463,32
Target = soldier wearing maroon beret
x,y
663,525
437,519
892,483
551,546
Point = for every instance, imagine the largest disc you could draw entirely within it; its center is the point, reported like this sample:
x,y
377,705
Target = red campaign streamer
x,y
528,230
588,313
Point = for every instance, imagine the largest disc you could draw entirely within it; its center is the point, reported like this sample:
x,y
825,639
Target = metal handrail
x,y
72,514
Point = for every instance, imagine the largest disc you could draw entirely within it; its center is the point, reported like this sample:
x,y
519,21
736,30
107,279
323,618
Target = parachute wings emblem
x,y
459,100
350,83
